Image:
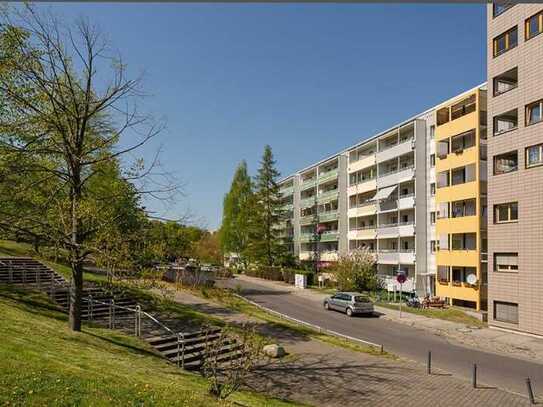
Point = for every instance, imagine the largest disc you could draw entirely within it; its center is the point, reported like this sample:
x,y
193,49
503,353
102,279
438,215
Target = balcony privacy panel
x,y
470,173
443,273
444,242
443,210
442,149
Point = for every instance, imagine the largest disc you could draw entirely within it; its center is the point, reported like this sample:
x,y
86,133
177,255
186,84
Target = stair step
x,y
197,364
197,348
155,340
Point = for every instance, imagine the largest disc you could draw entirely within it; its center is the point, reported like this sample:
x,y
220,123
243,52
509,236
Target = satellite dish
x,y
471,279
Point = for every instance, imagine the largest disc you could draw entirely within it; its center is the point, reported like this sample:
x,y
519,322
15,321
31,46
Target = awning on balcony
x,y
384,193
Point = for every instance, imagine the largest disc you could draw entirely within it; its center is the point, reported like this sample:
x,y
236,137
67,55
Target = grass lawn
x,y
43,363
448,314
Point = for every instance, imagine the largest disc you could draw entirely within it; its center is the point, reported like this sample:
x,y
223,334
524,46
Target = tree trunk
x,y
76,292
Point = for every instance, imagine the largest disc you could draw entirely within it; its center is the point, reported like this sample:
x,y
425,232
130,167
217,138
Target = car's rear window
x,y
360,298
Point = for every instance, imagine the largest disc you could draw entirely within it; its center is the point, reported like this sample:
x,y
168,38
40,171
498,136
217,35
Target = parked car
x,y
350,303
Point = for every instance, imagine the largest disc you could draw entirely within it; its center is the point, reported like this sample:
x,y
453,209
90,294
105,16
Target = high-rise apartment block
x,y
453,197
515,173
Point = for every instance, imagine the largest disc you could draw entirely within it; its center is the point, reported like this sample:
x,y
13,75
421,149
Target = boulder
x,y
274,351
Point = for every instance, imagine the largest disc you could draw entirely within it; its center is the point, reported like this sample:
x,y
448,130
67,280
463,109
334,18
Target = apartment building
x,y
377,194
515,173
461,186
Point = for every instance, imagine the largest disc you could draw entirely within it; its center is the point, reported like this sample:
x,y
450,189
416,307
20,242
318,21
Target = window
x,y
505,163
443,274
506,312
534,112
442,116
432,218
464,107
463,208
443,179
507,212
505,122
506,262
505,82
533,26
433,246
464,241
443,148
432,160
463,141
534,155
505,41
463,174
432,132
433,189
500,7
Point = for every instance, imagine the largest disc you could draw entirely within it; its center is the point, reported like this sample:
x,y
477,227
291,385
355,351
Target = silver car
x,y
349,302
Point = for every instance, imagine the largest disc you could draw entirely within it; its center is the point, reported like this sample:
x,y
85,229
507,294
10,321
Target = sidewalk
x,y
320,374
485,339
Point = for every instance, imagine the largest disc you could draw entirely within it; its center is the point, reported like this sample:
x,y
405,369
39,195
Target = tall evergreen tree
x,y
234,233
268,212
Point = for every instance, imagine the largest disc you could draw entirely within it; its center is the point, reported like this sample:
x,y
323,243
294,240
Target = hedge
x,y
279,274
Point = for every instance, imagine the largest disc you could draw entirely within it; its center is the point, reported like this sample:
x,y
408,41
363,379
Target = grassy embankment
x,y
43,363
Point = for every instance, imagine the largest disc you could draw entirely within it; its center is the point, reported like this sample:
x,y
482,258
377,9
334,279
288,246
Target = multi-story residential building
x,y
377,194
515,174
461,181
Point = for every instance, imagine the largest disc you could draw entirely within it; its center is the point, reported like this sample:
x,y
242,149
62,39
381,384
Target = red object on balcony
x,y
320,229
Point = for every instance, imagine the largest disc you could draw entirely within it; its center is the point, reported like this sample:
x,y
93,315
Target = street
x,y
405,341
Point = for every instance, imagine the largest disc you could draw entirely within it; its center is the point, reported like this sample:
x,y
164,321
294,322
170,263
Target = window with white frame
x,y
534,155
504,163
534,112
506,212
506,262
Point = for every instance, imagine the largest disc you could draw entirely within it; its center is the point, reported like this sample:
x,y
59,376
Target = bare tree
x,y
68,115
227,374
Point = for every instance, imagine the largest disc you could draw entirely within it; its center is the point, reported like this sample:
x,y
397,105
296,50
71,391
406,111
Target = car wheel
x,y
349,312
326,306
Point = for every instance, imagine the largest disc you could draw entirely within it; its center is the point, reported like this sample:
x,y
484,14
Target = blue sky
x,y
309,80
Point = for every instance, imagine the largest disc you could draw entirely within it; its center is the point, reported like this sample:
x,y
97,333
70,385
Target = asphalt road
x,y
405,341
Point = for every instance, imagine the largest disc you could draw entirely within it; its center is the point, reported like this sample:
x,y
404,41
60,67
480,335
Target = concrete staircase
x,y
116,309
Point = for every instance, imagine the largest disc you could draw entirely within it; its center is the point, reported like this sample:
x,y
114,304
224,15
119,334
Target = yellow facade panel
x,y
455,160
457,126
465,224
462,292
460,258
457,192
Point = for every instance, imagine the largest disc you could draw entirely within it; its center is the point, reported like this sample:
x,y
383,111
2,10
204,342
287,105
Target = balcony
x,y
287,207
390,283
388,256
396,150
287,191
307,202
328,216
362,163
368,233
406,229
306,255
393,178
366,186
388,230
364,209
331,255
327,176
330,236
327,196
308,183
406,201
307,237
307,220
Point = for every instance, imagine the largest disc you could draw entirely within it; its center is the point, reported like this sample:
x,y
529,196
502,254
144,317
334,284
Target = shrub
x,y
356,271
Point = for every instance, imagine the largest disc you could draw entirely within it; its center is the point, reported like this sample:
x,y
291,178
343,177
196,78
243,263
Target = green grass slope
x,y
43,363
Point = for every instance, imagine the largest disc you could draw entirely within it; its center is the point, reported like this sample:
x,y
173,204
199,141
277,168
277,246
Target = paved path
x,y
325,375
406,341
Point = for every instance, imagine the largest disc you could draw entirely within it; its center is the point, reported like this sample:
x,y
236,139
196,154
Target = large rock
x,y
274,351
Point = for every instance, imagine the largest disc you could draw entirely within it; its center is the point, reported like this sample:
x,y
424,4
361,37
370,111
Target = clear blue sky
x,y
309,80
